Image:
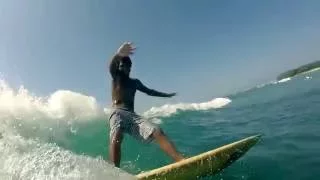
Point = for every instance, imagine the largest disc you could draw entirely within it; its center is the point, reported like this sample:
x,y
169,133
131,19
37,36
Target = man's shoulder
x,y
134,79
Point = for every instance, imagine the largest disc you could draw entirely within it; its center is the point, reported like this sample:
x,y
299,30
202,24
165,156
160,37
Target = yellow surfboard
x,y
204,164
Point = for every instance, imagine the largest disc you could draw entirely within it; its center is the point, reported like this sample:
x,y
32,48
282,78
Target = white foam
x,y
30,159
46,117
284,80
312,70
169,109
25,114
65,104
308,77
58,111
274,82
21,104
22,113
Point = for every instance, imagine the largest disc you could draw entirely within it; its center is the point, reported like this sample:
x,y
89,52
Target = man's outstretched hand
x,y
126,49
172,94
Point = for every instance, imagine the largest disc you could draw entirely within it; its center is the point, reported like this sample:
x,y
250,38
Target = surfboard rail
x,y
204,164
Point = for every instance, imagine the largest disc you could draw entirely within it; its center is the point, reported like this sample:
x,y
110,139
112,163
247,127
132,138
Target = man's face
x,y
125,68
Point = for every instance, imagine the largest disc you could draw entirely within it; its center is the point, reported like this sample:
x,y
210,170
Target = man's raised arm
x,y
152,92
113,66
124,50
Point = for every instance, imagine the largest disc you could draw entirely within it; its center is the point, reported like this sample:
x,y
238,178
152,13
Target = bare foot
x,y
180,158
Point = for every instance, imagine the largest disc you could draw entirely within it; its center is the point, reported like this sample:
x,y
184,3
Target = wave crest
x,y
67,106
169,109
21,104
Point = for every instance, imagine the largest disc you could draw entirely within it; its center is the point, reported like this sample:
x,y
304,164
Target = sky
x,y
199,49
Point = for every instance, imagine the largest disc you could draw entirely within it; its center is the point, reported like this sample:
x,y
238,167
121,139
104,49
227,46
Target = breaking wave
x,y
170,109
28,123
30,159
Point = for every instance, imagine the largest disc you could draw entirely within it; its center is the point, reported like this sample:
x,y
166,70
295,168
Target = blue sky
x,y
200,49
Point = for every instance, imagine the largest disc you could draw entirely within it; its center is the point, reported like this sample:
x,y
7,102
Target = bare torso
x,y
123,94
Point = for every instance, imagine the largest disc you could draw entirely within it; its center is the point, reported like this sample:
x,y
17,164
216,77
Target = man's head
x,y
125,66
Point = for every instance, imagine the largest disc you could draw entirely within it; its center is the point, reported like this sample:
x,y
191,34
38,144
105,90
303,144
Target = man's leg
x,y
115,147
146,131
166,145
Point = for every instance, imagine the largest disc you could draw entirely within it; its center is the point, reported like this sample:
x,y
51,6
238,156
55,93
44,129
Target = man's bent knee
x,y
157,133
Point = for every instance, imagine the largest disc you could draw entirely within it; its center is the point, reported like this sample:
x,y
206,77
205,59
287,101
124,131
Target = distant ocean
x,y
65,135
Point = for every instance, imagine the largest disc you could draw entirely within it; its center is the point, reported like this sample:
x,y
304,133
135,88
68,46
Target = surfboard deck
x,y
204,164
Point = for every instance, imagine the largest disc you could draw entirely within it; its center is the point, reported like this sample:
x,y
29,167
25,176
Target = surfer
x,y
123,118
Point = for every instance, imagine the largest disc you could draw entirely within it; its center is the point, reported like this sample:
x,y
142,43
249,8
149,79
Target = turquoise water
x,y
287,114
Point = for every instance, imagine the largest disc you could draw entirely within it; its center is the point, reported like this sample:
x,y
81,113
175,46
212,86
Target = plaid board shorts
x,y
132,124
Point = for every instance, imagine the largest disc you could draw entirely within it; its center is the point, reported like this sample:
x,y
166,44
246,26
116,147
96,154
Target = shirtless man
x,y
123,119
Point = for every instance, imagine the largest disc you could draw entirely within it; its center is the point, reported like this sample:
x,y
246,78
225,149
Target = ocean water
x,y
65,135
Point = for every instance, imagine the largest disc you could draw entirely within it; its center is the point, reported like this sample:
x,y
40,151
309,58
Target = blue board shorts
x,y
131,123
